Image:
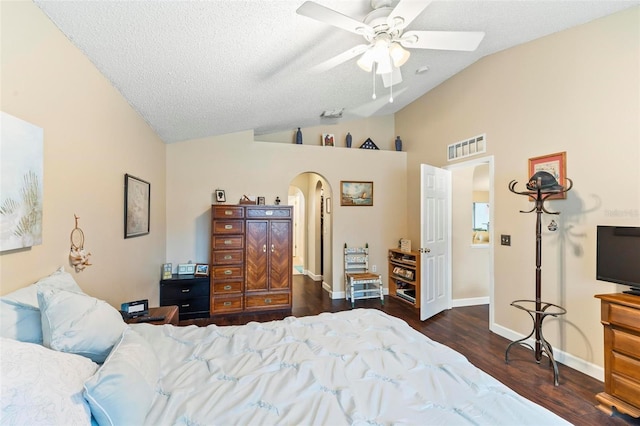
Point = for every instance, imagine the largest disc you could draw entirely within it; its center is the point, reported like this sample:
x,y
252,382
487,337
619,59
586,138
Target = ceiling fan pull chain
x,y
373,74
391,95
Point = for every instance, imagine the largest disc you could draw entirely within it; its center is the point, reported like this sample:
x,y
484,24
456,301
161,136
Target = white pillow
x,y
42,387
19,312
78,323
123,389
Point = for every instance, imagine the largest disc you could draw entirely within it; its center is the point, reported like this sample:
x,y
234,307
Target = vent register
x,y
467,148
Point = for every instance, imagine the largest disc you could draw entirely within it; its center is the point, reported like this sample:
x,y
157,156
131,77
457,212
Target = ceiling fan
x,y
384,31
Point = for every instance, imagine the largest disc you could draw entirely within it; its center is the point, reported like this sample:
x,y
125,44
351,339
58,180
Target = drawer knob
x,y
186,305
227,303
228,242
228,257
228,212
269,213
186,290
228,272
228,227
267,300
227,287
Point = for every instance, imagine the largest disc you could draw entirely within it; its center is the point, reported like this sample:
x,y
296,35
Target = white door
x,y
435,240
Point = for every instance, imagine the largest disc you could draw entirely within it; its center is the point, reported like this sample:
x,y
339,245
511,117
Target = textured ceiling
x,y
194,69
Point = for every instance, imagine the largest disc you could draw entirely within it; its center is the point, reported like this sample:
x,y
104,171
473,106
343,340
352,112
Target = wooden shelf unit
x,y
404,276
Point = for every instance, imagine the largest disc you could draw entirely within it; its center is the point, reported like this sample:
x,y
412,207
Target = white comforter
x,y
354,367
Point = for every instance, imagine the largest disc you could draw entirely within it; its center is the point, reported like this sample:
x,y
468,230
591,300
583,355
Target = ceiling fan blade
x,y
405,12
341,58
393,78
442,40
329,16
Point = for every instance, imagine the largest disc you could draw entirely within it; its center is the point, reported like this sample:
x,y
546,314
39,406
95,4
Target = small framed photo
x,y
556,164
261,201
202,270
220,197
328,139
186,268
167,269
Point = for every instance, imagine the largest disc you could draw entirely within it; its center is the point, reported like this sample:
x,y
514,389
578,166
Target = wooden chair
x,y
359,283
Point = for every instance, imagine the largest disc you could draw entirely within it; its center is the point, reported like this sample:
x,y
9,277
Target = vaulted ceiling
x,y
194,69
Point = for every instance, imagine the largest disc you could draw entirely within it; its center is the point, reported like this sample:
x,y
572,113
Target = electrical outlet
x,y
374,268
505,240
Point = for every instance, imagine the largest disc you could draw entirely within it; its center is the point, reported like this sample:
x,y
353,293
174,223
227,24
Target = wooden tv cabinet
x,y
620,316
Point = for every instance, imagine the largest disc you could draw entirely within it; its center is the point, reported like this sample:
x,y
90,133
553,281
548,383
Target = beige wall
x,y
576,91
92,137
470,280
239,165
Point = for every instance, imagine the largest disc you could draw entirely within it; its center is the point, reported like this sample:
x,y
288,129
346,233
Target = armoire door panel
x,y
257,255
280,268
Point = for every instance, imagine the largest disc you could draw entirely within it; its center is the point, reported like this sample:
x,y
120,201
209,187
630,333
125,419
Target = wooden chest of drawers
x,y
620,315
251,258
227,259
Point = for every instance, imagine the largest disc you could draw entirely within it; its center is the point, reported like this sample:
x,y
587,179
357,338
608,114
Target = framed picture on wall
x,y
220,196
556,164
328,139
356,193
137,206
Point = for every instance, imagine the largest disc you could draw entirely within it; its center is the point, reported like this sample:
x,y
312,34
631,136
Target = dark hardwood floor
x,y
467,331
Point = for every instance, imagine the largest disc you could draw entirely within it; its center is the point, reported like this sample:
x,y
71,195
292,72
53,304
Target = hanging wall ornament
x,y
78,257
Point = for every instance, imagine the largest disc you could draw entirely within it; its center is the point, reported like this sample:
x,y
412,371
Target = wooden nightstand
x,y
170,314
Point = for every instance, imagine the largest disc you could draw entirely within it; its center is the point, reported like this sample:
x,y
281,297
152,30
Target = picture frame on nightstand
x,y
167,269
202,270
186,268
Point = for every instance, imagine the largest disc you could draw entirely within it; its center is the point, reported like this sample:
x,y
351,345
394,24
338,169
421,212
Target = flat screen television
x,y
618,256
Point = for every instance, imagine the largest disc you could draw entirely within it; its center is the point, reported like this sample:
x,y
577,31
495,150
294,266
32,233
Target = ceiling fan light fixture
x,y
398,55
380,52
384,65
366,60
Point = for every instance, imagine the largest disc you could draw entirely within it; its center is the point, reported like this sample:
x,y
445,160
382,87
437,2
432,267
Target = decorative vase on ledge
x,y
349,140
299,137
398,143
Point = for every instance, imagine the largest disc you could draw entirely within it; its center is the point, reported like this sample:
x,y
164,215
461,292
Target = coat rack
x,y
540,188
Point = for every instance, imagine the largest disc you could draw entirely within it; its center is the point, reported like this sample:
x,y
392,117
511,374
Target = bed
x,y
354,367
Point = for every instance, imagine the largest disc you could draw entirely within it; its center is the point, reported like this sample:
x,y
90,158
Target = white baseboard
x,y
562,357
313,276
472,301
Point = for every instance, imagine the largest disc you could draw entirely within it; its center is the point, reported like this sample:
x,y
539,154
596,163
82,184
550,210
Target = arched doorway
x,y
310,194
